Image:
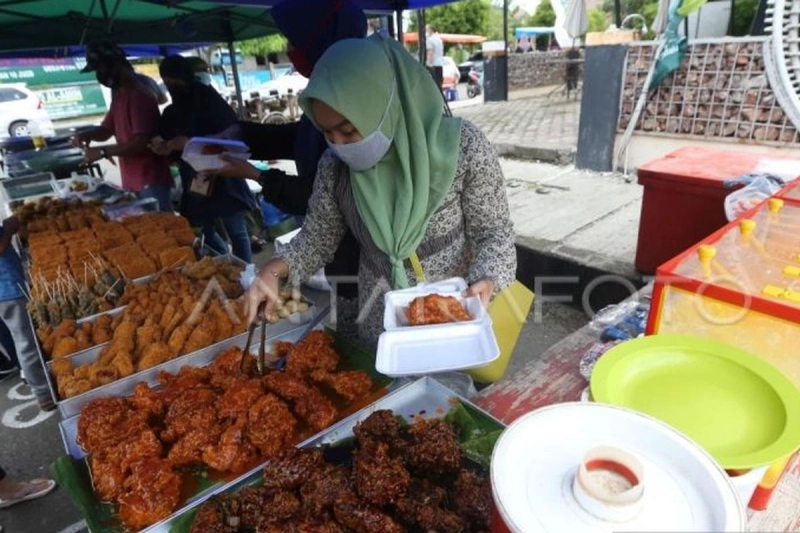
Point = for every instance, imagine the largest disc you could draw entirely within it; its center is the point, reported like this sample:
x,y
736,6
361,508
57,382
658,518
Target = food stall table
x,y
554,377
60,160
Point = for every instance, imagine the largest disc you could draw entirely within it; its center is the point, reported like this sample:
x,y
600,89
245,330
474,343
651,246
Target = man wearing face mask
x,y
132,120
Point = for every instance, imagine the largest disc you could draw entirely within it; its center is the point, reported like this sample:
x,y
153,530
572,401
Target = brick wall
x,y
535,69
721,92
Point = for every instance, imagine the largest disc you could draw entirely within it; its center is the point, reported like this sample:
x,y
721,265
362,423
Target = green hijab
x,y
397,197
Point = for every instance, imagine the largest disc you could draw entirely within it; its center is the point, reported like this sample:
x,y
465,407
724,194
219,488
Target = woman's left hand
x,y
482,289
177,144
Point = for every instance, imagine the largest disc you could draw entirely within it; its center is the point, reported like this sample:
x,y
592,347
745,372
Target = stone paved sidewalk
x,y
530,125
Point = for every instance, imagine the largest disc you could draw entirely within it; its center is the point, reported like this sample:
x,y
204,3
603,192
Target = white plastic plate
x,y
431,349
535,459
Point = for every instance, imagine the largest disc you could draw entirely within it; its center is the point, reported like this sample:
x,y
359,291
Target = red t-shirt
x,y
133,112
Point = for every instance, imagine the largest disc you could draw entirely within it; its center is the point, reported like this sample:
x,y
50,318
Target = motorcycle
x,y
474,82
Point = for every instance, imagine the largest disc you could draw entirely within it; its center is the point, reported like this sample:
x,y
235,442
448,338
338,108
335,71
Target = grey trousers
x,y
15,316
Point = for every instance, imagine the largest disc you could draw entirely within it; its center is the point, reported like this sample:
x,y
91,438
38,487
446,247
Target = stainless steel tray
x,y
123,387
423,397
204,357
227,258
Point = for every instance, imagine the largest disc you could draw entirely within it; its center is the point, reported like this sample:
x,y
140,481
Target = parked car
x,y
466,66
20,108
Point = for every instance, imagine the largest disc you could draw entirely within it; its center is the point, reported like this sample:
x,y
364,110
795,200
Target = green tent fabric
x,y
34,24
674,44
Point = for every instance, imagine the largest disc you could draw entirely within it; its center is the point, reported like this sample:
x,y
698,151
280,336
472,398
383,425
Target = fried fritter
x,y
380,478
433,448
292,468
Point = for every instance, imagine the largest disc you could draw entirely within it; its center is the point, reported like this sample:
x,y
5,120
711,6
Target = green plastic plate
x,y
740,408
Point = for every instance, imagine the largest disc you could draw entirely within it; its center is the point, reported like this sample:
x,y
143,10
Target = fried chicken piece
x,y
315,352
210,518
233,453
65,329
436,309
224,325
152,493
271,427
97,426
363,518
188,377
136,446
239,398
304,525
62,367
190,409
189,448
437,520
123,362
154,355
178,338
146,335
101,375
421,502
107,475
228,361
326,484
147,401
380,478
71,387
473,499
203,335
292,468
433,448
349,384
307,401
382,425
258,507
83,339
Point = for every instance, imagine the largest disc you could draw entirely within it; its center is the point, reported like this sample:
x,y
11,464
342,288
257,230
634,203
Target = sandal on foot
x,y
36,488
47,405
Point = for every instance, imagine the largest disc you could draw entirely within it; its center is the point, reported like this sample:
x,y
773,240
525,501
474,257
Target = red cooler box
x,y
683,200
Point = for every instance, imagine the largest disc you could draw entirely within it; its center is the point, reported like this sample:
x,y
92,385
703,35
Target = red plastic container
x,y
684,198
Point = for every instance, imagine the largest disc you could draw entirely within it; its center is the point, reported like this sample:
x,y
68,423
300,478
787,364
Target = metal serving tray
x,y
424,397
123,387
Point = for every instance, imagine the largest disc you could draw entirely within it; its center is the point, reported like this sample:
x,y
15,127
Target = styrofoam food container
x,y
395,316
536,459
192,153
396,302
442,348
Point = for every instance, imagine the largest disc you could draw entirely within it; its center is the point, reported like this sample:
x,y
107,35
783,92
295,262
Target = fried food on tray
x,y
176,256
315,352
433,447
436,309
376,494
216,417
349,384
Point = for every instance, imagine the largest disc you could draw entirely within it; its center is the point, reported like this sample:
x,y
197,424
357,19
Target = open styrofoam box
x,y
397,302
414,350
193,153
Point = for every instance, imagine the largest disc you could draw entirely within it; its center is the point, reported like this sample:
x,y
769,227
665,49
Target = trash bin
x,y
495,71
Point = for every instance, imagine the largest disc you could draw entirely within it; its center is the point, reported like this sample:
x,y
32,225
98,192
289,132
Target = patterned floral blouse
x,y
470,235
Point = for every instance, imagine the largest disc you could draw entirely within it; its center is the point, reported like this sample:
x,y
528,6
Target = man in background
x,y
132,120
435,54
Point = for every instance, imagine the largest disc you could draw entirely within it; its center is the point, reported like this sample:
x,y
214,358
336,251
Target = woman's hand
x,y
159,146
265,289
236,168
482,289
177,144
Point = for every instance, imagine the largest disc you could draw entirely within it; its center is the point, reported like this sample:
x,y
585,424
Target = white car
x,y
21,110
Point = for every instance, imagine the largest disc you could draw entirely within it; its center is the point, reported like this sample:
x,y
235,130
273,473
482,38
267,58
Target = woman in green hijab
x,y
408,182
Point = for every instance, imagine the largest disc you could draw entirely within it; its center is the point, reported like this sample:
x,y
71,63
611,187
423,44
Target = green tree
x,y
262,46
743,13
543,16
598,19
469,17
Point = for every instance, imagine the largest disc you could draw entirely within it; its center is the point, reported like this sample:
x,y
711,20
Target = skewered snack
x,y
436,309
382,492
218,418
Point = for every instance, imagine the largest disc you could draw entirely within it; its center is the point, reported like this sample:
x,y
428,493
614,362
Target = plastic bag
x,y
758,188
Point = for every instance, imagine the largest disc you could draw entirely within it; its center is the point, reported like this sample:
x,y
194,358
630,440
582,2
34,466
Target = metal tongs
x,y
261,321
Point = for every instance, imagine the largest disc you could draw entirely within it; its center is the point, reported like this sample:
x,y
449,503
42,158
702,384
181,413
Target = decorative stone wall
x,y
721,92
536,69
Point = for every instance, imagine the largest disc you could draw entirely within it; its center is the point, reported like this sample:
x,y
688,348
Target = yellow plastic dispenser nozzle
x,y
773,291
774,205
792,271
706,254
746,228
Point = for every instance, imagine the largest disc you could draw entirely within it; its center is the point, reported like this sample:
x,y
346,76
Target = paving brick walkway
x,y
530,125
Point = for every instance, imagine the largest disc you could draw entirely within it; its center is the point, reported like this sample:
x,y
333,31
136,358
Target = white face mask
x,y
367,152
203,77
